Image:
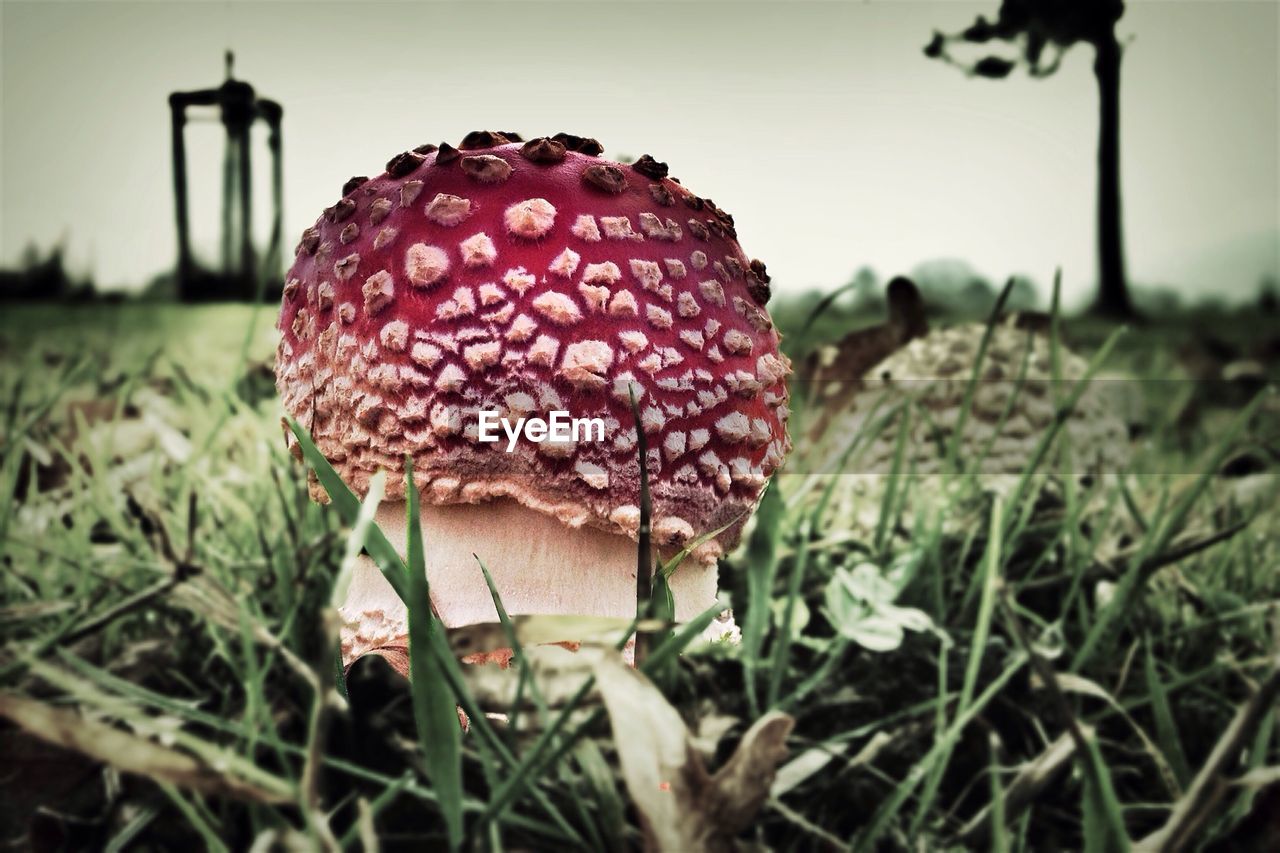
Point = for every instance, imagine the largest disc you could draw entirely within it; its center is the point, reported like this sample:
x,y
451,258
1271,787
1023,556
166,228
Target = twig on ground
x,y
1176,553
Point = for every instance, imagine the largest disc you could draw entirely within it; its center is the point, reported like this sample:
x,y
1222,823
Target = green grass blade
x,y
782,646
538,757
669,567
198,822
981,633
809,523
184,710
357,536
680,639
823,304
644,548
1006,412
608,805
393,569
662,605
122,840
971,388
1142,567
517,653
1166,725
1062,413
761,566
434,710
1103,814
894,481
996,818
348,507
875,833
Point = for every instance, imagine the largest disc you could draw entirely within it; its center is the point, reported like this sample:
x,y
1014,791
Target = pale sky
x,y
820,126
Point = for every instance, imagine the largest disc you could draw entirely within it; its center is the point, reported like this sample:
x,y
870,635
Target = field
x,y
1065,663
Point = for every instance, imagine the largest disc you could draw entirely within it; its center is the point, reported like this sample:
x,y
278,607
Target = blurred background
x,y
844,151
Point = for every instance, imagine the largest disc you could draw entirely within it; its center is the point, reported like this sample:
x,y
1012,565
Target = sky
x,y
820,125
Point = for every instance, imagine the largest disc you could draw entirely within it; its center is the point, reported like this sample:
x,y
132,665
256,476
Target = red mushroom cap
x,y
526,278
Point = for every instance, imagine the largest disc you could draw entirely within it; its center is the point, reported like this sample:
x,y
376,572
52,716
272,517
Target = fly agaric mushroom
x,y
524,279
1013,405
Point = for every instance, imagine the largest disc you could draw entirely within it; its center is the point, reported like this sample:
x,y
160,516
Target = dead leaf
x,y
711,729
740,788
681,806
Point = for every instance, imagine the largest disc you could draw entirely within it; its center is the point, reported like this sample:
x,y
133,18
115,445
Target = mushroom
x,y
520,279
1004,423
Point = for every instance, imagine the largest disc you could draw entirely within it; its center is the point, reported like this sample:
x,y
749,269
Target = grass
x,y
1080,666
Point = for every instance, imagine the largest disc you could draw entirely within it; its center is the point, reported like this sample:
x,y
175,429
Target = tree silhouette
x,y
1042,31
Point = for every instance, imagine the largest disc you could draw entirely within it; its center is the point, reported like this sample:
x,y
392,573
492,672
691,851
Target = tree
x,y
1042,31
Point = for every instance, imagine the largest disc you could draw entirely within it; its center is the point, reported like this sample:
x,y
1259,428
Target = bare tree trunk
x,y
1113,289
246,281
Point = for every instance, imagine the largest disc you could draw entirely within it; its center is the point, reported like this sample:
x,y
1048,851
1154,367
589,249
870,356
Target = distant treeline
x,y
953,290
45,277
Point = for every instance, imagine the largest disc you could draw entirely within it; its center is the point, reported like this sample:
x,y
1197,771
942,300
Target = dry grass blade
x,y
812,760
1196,807
1023,790
1109,831
1132,584
129,753
1071,683
1263,777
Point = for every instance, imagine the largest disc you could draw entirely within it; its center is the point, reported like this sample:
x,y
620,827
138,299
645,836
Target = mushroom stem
x,y
538,566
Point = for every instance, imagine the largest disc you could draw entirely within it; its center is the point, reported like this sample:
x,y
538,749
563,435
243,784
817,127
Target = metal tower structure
x,y
240,276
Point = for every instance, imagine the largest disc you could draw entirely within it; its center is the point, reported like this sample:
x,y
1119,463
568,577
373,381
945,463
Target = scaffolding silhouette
x,y
240,276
